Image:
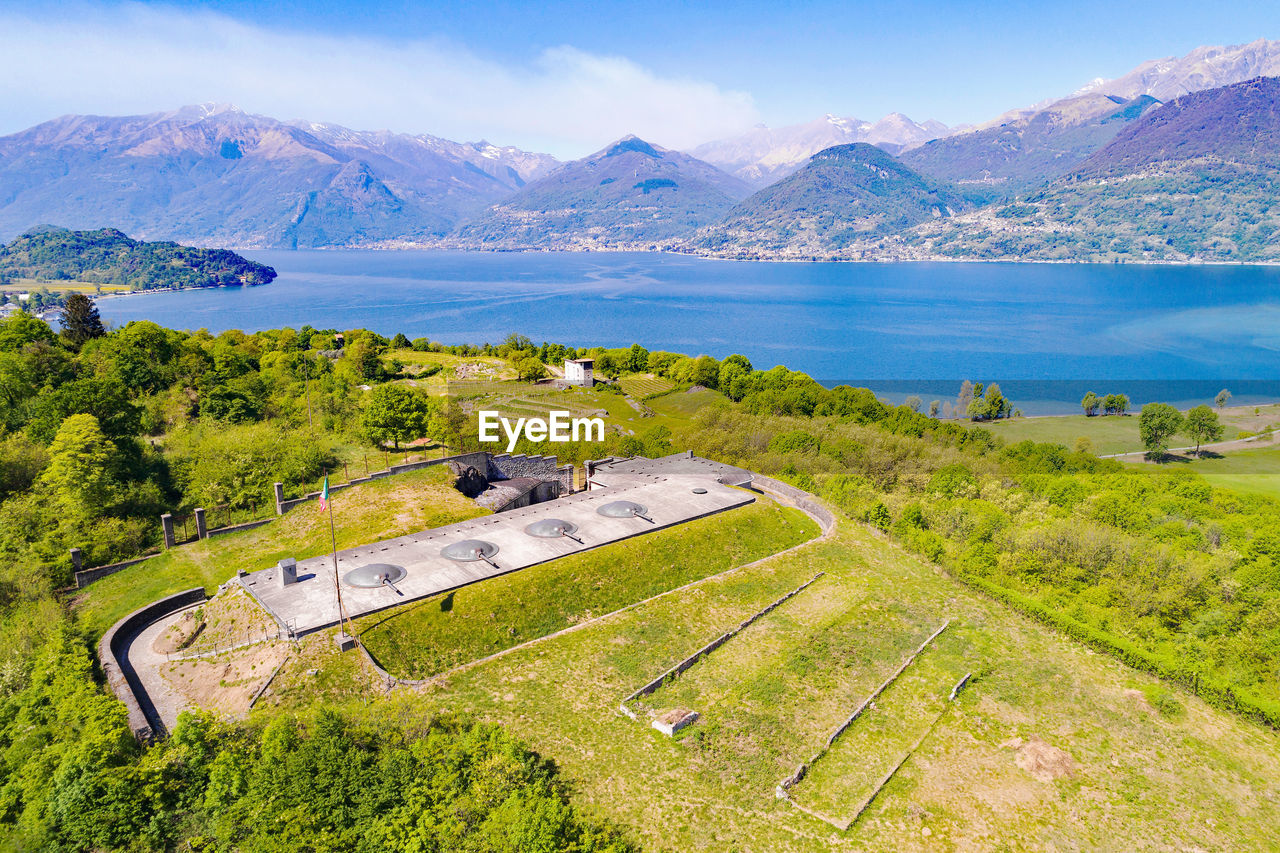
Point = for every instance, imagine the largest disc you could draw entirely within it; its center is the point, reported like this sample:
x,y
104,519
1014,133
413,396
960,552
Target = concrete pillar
x,y
77,561
166,521
202,527
288,571
279,487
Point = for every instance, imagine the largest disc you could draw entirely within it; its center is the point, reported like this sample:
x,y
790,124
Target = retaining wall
x,y
84,577
478,460
124,682
800,498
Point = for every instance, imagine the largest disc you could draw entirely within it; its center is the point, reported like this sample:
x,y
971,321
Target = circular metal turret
x,y
469,550
623,509
374,575
551,528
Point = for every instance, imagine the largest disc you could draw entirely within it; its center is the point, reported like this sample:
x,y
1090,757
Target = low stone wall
x,y
786,784
124,682
799,497
84,577
236,528
478,460
710,647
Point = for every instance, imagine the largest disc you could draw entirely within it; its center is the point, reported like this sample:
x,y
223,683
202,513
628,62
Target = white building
x,y
578,371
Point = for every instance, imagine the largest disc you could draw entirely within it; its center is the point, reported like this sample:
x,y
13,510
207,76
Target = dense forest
x,y
102,430
107,256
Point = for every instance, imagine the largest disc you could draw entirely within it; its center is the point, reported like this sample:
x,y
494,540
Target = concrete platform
x,y
310,605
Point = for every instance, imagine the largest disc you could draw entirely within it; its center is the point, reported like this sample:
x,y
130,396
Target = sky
x,y
567,78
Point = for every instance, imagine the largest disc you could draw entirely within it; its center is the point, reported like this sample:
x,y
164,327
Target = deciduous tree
x,y
396,413
1156,425
1202,426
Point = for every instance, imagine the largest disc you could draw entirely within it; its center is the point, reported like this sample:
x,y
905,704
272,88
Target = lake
x,y
1045,332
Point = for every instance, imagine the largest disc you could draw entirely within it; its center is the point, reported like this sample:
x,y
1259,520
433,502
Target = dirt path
x,y
1257,442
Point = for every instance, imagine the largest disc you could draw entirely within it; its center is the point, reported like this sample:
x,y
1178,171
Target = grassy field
x,y
1251,471
1119,434
378,510
1130,776
430,636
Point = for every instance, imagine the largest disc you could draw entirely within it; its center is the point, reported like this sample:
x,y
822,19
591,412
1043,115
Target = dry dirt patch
x,y
225,684
1042,760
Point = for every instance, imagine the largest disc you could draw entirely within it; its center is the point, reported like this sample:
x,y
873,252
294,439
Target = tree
x,y
79,472
1223,397
965,397
400,341
1202,426
913,403
530,369
1157,423
933,408
395,413
80,320
21,329
1115,404
1090,404
990,404
637,358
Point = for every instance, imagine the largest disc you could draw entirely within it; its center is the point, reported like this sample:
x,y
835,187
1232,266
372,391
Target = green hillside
x,y
1194,180
107,256
844,194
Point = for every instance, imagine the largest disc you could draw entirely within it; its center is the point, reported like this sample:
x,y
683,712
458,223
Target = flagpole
x,y
337,581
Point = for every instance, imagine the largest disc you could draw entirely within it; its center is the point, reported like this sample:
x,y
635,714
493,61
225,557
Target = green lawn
x,y
384,508
769,698
1251,471
430,636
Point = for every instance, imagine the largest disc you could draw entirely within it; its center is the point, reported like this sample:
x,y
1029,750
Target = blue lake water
x,y
1046,332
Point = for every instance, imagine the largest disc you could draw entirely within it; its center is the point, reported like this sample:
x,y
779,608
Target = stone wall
x,y
120,674
478,460
84,577
509,467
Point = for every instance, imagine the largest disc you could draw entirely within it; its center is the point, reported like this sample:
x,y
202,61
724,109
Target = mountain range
x,y
843,195
632,194
1134,167
763,155
213,174
1196,179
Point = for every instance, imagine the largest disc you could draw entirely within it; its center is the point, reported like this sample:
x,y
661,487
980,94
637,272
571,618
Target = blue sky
x,y
568,77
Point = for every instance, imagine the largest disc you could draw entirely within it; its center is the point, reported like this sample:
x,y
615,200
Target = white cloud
x,y
137,59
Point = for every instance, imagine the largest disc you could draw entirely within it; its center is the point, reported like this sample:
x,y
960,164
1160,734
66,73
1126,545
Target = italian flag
x,y
324,494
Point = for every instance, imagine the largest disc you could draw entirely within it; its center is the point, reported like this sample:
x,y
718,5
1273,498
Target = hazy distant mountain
x,y
842,197
215,175
762,155
630,194
1195,179
1031,148
1202,68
